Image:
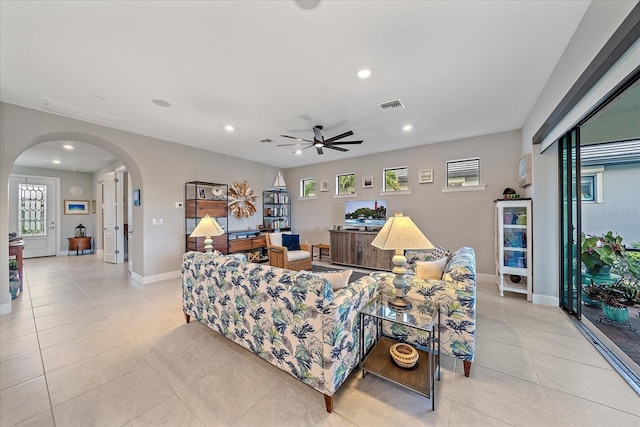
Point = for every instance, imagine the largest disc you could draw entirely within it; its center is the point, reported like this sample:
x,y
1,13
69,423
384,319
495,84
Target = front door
x,y
34,213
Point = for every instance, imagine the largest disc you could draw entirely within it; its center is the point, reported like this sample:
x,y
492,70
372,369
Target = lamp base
x,y
400,304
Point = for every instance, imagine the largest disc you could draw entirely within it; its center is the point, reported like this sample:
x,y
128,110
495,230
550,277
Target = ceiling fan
x,y
319,142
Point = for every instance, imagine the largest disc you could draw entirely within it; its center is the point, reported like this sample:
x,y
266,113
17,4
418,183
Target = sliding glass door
x,y
569,170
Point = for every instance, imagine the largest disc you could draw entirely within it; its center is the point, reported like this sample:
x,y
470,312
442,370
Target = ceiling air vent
x,y
266,140
391,105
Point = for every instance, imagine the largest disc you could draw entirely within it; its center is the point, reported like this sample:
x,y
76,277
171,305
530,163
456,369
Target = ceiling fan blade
x,y
319,149
347,142
336,148
287,145
298,139
308,146
335,138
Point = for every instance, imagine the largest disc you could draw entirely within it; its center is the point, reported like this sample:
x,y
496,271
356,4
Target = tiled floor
x,y
84,345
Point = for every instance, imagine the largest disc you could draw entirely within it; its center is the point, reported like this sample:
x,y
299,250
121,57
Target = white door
x,y
34,213
113,240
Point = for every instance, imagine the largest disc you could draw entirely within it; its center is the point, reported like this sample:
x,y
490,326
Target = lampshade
x,y
400,232
206,228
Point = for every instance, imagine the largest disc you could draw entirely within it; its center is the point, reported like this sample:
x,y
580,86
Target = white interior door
x,y
34,213
112,217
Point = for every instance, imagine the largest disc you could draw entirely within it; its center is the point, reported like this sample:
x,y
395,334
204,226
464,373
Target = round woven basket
x,y
404,355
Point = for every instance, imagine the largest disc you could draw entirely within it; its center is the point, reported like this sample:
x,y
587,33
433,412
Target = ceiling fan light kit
x,y
319,142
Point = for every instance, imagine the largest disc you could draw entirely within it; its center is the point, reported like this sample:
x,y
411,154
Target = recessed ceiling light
x,y
229,128
407,128
57,162
364,73
161,103
68,147
298,152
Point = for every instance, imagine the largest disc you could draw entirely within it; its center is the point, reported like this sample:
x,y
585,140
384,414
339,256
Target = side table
x,y
423,315
320,247
79,244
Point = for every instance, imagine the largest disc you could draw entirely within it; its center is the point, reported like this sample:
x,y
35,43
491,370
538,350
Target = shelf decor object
x,y
404,355
207,227
279,182
242,200
400,233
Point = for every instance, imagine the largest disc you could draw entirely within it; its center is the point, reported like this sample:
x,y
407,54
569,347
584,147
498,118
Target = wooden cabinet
x,y
276,210
354,248
201,198
514,246
79,244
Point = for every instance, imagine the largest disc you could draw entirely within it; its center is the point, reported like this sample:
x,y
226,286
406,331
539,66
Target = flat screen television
x,y
365,213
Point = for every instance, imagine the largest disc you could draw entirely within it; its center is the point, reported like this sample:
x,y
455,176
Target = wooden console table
x,y
79,244
354,248
15,249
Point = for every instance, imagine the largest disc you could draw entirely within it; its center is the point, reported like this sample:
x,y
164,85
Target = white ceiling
x,y
274,67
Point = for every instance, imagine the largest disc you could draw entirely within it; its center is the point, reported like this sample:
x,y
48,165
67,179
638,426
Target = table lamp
x,y
400,233
206,228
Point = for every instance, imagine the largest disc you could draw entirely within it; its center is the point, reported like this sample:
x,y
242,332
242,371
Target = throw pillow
x,y
337,279
430,269
291,242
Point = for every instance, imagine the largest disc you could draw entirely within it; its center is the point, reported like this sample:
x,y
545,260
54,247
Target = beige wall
x,y
451,220
159,168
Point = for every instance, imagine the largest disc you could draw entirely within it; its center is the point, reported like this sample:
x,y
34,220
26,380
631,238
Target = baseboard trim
x,y
546,300
145,280
5,308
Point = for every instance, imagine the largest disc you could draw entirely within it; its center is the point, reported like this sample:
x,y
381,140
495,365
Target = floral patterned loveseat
x,y
456,293
294,320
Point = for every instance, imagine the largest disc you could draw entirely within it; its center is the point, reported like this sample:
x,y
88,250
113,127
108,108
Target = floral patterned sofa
x,y
456,293
293,320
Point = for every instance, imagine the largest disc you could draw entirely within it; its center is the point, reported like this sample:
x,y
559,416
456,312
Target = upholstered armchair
x,y
281,256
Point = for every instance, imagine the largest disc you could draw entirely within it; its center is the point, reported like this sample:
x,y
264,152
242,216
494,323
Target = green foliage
x,y
619,294
606,250
392,182
309,188
346,184
13,264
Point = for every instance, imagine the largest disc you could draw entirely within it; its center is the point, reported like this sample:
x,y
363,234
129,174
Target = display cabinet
x,y
201,198
514,246
276,210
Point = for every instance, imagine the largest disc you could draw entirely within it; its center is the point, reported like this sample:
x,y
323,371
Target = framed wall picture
x,y
76,207
367,182
93,206
136,197
524,171
324,186
425,176
202,194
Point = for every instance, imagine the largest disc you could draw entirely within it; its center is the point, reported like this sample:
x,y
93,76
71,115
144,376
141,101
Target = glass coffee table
x,y
423,316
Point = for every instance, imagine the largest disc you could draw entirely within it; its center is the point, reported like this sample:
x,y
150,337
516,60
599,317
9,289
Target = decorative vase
x,y
14,284
615,314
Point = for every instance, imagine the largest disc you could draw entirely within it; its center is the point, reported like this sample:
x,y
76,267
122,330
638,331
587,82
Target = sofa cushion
x,y
291,242
297,255
337,279
430,269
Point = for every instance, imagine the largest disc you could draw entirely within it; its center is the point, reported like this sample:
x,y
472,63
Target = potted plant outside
x,y
14,278
600,253
618,296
